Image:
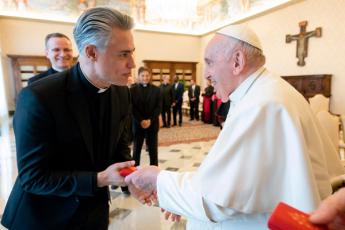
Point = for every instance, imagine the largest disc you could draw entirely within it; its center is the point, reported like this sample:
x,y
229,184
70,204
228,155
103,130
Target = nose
x,y
207,76
131,62
63,53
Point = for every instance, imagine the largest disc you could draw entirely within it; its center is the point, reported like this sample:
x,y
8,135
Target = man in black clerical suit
x,y
178,88
146,107
167,93
60,54
71,128
222,113
193,94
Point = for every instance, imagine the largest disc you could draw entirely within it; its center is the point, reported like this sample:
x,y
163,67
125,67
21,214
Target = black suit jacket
x,y
196,92
146,106
167,94
56,166
50,71
178,92
209,91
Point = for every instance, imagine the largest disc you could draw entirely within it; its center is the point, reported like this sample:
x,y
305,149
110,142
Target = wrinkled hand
x,y
142,184
111,176
331,212
173,217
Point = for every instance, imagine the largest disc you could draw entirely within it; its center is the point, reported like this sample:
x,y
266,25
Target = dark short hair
x,y
142,69
55,35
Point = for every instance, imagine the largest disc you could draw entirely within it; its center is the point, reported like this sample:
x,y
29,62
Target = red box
x,y
285,217
126,171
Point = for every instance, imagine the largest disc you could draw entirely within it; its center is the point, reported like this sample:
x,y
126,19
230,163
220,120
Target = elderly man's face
x,y
218,68
114,64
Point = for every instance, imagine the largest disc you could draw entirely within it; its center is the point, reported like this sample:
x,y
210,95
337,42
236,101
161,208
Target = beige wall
x,y
204,40
3,102
325,54
26,37
170,47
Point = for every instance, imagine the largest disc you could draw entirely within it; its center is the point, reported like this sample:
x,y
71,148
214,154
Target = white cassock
x,y
271,149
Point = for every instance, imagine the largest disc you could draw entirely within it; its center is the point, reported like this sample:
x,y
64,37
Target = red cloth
x,y
206,114
217,100
216,103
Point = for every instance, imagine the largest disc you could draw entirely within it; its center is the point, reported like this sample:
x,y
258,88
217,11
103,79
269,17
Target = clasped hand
x,y
142,185
145,123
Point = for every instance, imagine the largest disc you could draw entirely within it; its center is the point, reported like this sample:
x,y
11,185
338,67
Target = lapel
x,y
79,108
115,118
175,88
51,71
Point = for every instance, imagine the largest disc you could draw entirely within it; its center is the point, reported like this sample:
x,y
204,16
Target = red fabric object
x,y
285,217
126,171
207,109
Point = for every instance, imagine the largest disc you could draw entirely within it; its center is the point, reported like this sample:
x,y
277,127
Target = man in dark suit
x,y
60,54
167,100
222,113
72,128
146,107
178,99
193,94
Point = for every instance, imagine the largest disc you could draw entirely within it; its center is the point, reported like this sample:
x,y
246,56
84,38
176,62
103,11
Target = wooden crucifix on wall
x,y
302,41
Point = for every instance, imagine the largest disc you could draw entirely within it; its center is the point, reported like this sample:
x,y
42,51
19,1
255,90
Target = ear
x,y
46,52
239,61
91,52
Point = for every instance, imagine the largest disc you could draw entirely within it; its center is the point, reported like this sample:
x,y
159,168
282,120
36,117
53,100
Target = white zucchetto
x,y
241,32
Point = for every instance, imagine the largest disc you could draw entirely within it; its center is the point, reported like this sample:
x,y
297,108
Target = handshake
x,y
141,182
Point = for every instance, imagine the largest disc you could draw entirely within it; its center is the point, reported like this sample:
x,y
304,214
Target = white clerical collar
x,y
100,90
58,70
243,88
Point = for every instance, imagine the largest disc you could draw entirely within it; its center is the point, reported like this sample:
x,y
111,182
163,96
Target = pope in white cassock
x,y
271,148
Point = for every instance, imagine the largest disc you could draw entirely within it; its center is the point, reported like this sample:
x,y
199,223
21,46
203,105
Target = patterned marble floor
x,y
125,212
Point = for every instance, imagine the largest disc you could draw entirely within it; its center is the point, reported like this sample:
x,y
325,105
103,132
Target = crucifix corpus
x,y
302,41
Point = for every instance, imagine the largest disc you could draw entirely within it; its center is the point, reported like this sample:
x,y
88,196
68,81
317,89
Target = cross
x,y
302,41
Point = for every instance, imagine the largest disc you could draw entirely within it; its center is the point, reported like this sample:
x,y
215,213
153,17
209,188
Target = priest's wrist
x,y
102,179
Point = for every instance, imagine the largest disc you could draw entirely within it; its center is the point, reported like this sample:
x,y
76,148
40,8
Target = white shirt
x,y
271,149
